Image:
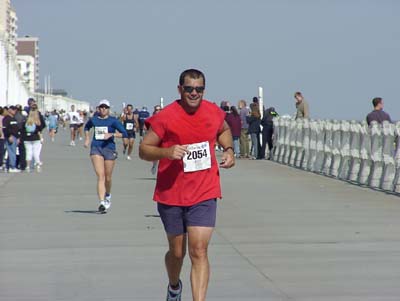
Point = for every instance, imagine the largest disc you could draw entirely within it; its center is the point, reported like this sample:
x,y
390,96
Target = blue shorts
x,y
176,219
105,152
131,135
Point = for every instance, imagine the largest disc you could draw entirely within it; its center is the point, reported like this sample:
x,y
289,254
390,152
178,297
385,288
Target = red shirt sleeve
x,y
156,124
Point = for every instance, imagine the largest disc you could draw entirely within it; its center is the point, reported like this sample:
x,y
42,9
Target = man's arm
x,y
149,149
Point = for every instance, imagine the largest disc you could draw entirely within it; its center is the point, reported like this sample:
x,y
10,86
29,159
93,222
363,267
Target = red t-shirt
x,y
174,126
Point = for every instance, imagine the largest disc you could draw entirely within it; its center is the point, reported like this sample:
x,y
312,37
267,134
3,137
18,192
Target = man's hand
x,y
228,159
177,152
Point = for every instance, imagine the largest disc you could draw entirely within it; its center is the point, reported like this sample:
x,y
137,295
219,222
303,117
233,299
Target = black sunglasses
x,y
189,89
104,107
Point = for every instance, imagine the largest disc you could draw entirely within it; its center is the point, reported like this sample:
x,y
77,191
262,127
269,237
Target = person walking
x,y
102,150
12,138
254,121
2,140
302,108
31,137
183,137
267,132
235,123
244,135
378,114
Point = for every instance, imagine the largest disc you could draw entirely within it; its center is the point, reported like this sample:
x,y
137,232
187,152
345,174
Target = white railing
x,y
347,150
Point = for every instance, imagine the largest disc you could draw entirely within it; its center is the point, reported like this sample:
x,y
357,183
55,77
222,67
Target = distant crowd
x,y
21,128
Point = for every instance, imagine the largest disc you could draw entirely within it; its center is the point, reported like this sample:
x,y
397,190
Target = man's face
x,y
73,108
298,98
189,95
129,109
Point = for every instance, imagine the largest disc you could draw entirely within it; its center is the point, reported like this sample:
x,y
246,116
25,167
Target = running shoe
x,y
128,158
174,295
14,170
72,143
107,197
103,207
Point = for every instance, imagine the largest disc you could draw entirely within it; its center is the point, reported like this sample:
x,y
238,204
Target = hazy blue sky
x,y
340,54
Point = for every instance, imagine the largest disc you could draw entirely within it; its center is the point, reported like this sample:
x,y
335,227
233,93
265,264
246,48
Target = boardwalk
x,y
282,234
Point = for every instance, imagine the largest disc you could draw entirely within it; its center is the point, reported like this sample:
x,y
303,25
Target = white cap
x,y
104,102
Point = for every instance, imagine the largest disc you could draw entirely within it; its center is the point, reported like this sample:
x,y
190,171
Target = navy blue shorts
x,y
131,135
176,219
105,152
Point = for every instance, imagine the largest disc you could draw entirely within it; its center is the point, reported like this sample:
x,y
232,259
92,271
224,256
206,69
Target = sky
x,y
340,54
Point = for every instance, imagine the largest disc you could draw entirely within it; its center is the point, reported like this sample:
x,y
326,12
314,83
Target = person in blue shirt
x,y
103,151
143,115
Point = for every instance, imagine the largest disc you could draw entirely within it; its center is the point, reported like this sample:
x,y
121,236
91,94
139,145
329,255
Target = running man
x,y
130,124
73,118
183,136
102,150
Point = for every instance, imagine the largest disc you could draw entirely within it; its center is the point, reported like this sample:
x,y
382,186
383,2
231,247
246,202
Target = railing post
x,y
286,148
313,145
355,145
306,144
388,151
299,143
327,148
292,142
319,160
276,138
365,154
334,171
344,168
376,155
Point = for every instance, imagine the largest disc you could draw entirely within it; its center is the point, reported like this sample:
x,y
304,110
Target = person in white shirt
x,y
73,118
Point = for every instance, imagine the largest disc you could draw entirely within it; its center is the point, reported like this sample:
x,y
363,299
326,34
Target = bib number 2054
x,y
198,157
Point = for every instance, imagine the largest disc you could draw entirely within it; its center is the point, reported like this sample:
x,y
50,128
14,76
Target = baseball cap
x,y
104,102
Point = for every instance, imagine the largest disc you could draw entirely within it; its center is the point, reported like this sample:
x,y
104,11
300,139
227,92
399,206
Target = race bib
x,y
99,132
129,126
197,158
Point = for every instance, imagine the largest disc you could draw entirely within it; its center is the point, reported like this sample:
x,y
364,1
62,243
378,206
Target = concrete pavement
x,y
282,234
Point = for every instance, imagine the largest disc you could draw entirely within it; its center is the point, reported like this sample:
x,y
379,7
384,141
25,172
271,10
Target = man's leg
x,y
174,257
199,238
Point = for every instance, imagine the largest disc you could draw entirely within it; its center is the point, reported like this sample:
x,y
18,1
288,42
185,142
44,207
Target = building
x,y
8,24
28,60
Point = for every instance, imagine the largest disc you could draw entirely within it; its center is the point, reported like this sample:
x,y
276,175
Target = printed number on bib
x,y
197,158
129,126
99,132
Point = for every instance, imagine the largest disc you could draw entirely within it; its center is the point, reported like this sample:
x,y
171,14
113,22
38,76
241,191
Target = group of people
x,y
21,137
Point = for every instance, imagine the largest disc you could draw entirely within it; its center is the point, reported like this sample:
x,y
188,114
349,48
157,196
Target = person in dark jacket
x,y
267,131
12,138
235,123
254,121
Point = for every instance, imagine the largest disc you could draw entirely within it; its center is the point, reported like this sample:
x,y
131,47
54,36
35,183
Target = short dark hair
x,y
130,106
192,73
376,101
298,94
255,99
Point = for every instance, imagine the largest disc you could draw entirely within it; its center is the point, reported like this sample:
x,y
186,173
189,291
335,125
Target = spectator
x,y
2,145
378,114
301,106
31,136
12,138
244,136
234,122
267,132
254,121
